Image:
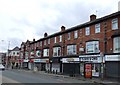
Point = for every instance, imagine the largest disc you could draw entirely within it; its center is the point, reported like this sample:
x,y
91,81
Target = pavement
x,y
93,80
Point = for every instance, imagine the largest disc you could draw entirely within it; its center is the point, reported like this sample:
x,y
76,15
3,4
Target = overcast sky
x,y
27,19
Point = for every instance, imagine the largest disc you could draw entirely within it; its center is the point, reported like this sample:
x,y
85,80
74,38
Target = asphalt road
x,y
15,76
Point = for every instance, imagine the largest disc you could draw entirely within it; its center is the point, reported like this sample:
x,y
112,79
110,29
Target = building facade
x,y
95,42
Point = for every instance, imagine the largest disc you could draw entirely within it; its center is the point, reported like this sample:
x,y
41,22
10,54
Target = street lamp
x,y
7,55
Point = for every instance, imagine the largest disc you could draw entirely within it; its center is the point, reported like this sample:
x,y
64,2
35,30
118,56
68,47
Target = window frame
x,y
97,28
114,22
116,44
87,31
75,34
71,49
45,52
56,49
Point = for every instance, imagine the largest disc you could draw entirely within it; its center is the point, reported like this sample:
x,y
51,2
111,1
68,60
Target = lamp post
x,y
7,55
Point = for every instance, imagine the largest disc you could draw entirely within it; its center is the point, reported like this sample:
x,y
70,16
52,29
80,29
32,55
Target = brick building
x,y
95,42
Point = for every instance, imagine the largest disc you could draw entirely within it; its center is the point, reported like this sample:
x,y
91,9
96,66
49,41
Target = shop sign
x,y
88,71
70,60
36,60
112,57
44,60
25,60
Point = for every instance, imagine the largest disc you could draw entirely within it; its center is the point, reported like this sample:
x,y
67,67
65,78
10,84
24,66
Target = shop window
x,y
116,46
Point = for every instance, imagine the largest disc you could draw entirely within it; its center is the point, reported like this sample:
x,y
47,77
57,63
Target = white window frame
x,y
56,51
116,45
41,43
55,39
114,23
46,52
69,36
92,47
97,28
48,41
87,31
60,38
71,49
75,34
45,42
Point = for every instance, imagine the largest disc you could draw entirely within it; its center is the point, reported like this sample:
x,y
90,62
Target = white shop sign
x,y
44,60
112,57
37,60
87,58
70,60
25,60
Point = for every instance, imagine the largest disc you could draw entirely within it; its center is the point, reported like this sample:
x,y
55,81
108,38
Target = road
x,y
17,76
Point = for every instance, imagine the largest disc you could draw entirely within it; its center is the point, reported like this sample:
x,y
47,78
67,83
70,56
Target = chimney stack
x,y
62,28
92,17
33,39
45,34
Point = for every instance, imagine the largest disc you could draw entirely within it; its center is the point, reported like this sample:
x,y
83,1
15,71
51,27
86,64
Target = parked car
x,y
2,67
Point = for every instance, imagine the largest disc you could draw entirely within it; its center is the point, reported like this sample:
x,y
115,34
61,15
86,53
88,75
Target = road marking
x,y
8,80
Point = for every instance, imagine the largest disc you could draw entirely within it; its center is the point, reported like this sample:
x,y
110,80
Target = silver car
x,y
2,67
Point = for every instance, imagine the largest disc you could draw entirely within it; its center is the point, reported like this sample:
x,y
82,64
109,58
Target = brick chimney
x,y
45,34
33,39
92,17
62,28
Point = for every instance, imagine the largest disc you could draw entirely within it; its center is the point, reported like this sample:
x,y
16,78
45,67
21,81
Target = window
x,y
41,43
97,28
75,34
46,52
68,36
115,24
44,42
92,47
57,51
116,46
71,49
60,38
54,39
48,41
87,30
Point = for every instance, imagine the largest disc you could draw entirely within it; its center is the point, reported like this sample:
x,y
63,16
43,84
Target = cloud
x,y
27,19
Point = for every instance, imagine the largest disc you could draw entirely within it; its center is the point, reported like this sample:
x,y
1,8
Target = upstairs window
x,y
97,28
44,42
46,52
92,47
87,30
41,43
115,24
48,41
56,51
54,39
68,36
75,34
71,49
116,45
60,38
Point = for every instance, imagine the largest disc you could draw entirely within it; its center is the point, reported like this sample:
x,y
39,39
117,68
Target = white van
x,y
2,67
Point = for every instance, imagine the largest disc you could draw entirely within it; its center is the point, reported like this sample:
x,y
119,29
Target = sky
x,y
22,20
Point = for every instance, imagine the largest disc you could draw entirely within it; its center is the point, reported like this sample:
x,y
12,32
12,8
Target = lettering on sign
x,y
69,59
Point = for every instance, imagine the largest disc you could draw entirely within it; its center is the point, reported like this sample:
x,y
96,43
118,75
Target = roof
x,y
16,48
80,26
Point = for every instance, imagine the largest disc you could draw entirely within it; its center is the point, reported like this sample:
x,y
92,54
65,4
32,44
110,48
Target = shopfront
x,y
70,66
25,63
95,60
55,64
37,64
112,66
45,65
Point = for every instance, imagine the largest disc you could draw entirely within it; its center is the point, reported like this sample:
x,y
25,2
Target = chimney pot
x,y
92,17
62,28
45,34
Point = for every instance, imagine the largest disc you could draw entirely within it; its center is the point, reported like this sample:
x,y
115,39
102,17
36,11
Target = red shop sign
x,y
88,71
